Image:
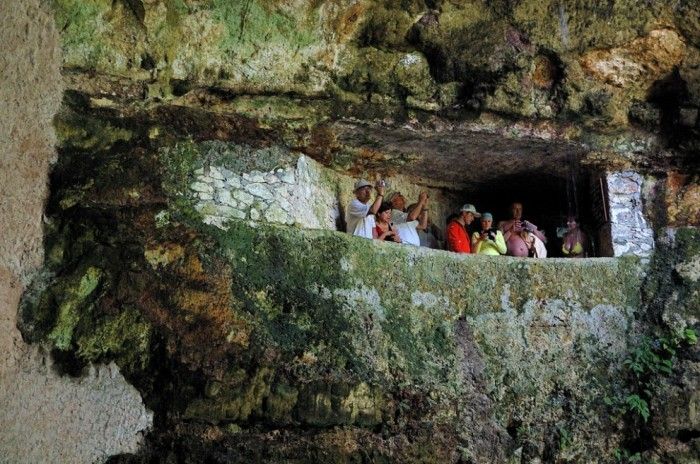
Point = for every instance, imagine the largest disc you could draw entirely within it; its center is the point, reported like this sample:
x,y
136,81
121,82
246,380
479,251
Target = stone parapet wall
x,y
544,335
285,195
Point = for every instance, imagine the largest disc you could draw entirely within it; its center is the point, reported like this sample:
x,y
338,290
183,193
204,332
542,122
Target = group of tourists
x,y
514,237
391,220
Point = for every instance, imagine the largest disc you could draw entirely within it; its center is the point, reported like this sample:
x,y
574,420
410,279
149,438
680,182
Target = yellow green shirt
x,y
489,247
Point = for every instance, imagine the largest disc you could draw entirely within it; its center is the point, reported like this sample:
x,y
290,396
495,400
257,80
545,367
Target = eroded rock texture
x,y
45,416
206,151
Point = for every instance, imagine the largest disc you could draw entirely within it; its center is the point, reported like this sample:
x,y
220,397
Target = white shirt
x,y
398,216
355,213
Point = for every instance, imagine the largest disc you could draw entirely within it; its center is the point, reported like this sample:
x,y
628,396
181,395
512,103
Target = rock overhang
x,y
467,155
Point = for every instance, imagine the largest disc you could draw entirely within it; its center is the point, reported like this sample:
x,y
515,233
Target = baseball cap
x,y
487,216
469,208
361,183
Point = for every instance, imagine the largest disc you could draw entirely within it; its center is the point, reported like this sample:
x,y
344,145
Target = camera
x,y
490,234
383,183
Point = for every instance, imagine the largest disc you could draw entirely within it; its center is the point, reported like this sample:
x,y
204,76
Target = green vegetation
x,y
78,21
72,308
647,366
252,24
651,360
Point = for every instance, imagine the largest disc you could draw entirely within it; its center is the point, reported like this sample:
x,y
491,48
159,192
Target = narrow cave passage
x,y
549,197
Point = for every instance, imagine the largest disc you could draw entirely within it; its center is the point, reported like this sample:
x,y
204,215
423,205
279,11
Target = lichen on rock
x,y
207,150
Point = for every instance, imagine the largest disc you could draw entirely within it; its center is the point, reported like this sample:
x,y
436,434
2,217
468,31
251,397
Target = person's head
x,y
363,190
516,210
486,221
468,212
571,222
451,217
397,200
384,212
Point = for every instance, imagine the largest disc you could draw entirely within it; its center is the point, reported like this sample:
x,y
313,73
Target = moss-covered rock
x,y
262,342
325,329
244,45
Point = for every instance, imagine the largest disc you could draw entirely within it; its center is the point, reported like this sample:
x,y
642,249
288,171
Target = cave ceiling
x,y
460,156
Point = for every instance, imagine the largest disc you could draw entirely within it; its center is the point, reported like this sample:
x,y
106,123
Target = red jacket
x,y
457,238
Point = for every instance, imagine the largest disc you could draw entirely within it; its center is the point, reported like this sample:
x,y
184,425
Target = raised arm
x,y
377,200
476,242
422,202
423,224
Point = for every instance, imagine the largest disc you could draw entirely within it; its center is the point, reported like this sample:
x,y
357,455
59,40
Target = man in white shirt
x,y
359,207
407,220
399,213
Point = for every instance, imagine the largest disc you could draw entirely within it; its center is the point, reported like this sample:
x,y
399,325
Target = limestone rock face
x,y
193,264
45,415
675,298
638,64
682,200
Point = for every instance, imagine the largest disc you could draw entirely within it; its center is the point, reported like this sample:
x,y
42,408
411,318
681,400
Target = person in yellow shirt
x,y
488,241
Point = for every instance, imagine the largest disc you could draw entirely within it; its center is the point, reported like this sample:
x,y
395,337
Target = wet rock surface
x,y
206,150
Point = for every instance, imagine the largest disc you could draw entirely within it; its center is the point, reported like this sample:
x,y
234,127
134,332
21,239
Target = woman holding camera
x,y
488,241
384,230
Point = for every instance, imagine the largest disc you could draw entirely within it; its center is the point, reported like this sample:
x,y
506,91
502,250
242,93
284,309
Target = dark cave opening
x,y
547,200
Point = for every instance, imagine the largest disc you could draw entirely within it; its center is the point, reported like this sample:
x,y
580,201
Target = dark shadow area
x,y
547,201
667,95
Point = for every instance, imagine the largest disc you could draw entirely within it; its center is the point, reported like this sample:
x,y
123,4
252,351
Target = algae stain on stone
x,y
363,405
88,134
69,312
163,254
233,398
126,337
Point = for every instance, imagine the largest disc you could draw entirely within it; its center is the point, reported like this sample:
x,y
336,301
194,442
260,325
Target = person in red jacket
x,y
457,236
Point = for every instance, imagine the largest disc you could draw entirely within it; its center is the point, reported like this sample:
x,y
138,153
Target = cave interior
x,y
493,170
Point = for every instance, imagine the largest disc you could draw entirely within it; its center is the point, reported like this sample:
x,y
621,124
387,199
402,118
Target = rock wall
x,y
45,416
273,327
279,186
175,275
673,293
629,230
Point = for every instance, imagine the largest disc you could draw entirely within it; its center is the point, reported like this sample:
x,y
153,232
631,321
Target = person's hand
x,y
423,197
380,189
397,238
517,226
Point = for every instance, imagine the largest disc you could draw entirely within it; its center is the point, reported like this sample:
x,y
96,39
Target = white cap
x,y
469,208
361,183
